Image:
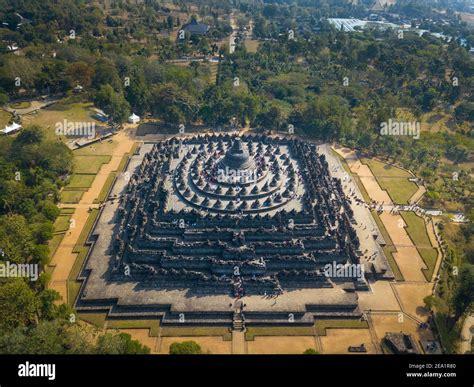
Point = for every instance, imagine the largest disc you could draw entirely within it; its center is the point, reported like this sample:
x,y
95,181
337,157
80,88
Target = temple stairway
x,y
238,323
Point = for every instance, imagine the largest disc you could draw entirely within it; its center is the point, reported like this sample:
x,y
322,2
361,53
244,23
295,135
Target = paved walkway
x,y
64,258
34,106
418,194
238,343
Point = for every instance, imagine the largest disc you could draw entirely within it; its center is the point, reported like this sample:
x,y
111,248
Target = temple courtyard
x,y
245,243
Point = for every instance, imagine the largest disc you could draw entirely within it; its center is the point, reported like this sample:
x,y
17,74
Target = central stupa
x,y
237,158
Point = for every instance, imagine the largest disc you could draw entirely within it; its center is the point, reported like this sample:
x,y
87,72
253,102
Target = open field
x,y
196,332
97,319
337,341
71,196
321,326
4,118
251,45
416,229
89,164
433,121
20,105
98,149
381,169
252,332
81,180
280,345
392,179
62,223
152,325
48,117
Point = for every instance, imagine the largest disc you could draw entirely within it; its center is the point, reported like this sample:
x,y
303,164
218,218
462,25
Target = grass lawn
x,y
152,325
20,105
81,180
71,196
123,162
388,251
67,211
103,148
321,325
106,188
392,179
76,268
54,243
73,288
416,229
384,170
278,331
4,118
430,257
251,45
196,331
61,224
89,164
86,230
400,190
97,319
49,116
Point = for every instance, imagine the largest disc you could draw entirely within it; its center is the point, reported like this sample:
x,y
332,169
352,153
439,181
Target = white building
x,y
10,129
134,119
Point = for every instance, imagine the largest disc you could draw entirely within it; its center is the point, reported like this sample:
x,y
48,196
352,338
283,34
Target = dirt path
x,y
34,106
63,260
417,195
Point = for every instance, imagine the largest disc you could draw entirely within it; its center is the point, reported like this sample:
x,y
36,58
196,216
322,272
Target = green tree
x,y
113,103
18,304
16,239
464,295
119,344
185,348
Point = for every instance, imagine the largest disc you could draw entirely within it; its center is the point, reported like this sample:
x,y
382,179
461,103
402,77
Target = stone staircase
x,y
238,321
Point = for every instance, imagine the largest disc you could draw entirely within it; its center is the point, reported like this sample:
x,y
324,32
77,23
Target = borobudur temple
x,y
195,224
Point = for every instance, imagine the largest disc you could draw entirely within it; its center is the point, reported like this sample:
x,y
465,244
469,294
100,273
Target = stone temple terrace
x,y
197,225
